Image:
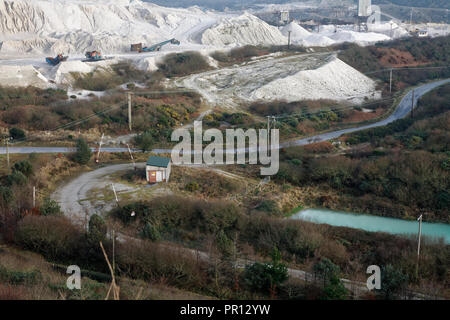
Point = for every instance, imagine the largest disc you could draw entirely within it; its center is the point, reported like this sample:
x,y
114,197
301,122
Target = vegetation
x,y
181,64
402,171
83,153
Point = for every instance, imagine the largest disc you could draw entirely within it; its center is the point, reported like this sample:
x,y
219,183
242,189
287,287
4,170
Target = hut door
x,y
152,176
159,176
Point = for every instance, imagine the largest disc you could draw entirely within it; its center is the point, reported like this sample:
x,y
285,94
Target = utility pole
x,y
410,19
129,110
289,39
115,194
418,245
34,197
99,148
7,153
412,105
390,82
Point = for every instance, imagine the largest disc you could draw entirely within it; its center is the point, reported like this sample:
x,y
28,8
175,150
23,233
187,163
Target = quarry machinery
x,y
55,61
156,47
92,56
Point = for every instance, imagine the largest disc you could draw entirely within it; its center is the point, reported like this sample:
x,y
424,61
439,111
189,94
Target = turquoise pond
x,y
374,223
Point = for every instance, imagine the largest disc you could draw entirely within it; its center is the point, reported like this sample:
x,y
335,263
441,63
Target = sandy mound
x,y
297,32
22,76
243,30
334,80
358,37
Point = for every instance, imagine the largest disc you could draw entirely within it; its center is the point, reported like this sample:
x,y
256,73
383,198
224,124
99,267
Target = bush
x,y
55,238
150,232
17,133
179,64
144,141
6,196
266,277
24,167
17,178
83,153
393,282
50,208
97,228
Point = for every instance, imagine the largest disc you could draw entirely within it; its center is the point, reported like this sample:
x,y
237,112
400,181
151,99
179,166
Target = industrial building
x,y
364,8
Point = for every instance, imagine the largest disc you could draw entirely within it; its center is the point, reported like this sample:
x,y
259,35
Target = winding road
x,y
403,108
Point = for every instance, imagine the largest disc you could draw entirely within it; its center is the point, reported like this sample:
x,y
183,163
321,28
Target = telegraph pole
x,y
129,110
99,148
131,155
289,39
115,194
412,105
7,153
390,82
34,197
418,245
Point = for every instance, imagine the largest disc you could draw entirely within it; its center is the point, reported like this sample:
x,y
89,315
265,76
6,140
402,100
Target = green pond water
x,y
374,223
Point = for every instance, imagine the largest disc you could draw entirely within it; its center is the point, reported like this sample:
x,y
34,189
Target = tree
x,y
333,289
6,195
144,141
50,208
266,277
150,232
17,178
24,167
97,228
83,153
393,281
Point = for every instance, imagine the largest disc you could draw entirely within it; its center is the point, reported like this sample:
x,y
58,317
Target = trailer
x,y
57,60
156,47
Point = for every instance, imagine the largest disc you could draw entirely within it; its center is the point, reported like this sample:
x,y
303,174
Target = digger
x,y
57,60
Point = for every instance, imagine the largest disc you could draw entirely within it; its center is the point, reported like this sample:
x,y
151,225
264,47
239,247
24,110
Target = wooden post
x,y
390,82
418,245
7,153
115,194
129,110
34,197
131,155
412,104
289,39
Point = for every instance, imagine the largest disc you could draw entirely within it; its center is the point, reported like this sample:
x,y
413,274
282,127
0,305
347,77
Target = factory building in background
x,y
364,8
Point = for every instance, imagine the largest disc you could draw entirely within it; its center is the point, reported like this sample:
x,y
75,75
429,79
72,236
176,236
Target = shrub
x,y
179,64
50,208
6,195
17,133
150,232
54,237
97,228
192,186
144,141
83,153
266,277
24,167
17,178
393,281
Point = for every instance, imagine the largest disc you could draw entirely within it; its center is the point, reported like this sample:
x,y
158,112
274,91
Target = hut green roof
x,y
161,162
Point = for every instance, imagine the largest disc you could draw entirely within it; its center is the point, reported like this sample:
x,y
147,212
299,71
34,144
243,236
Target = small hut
x,y
158,169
